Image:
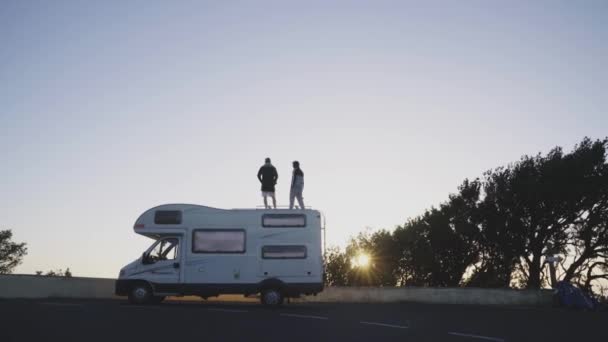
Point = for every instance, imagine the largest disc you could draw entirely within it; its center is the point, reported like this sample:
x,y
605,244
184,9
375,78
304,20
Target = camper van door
x,y
161,263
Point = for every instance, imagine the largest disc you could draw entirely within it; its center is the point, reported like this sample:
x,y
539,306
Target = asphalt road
x,y
112,320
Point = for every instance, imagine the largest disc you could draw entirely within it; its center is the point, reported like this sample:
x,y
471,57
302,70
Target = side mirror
x,y
145,259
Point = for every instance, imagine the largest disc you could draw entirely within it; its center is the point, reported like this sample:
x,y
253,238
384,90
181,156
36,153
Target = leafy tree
x,y
587,229
337,267
438,247
382,270
417,259
544,205
501,238
498,231
56,273
383,252
11,253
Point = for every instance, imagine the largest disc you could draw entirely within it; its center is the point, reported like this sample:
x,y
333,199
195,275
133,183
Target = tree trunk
x,y
571,272
534,270
552,273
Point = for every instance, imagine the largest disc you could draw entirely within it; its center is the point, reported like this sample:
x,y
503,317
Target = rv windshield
x,y
165,249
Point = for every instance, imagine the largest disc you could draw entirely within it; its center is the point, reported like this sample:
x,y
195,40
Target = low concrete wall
x,y
29,286
432,295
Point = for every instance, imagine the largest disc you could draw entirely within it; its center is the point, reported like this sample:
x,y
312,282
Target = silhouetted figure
x,y
268,177
297,186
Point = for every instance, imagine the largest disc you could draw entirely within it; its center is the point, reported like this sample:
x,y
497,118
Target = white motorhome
x,y
206,252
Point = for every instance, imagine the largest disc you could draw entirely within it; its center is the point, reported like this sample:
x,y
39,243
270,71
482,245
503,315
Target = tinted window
x,y
284,252
168,217
218,241
284,220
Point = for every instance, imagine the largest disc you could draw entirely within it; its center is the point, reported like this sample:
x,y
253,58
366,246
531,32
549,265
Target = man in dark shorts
x,y
267,175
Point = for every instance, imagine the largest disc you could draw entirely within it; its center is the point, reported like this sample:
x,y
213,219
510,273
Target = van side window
x,y
218,241
166,249
284,220
167,217
284,252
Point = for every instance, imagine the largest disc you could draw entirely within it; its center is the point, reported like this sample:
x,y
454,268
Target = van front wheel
x,y
272,297
140,294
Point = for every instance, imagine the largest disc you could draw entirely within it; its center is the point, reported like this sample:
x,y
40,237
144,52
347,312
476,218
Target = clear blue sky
x,y
108,108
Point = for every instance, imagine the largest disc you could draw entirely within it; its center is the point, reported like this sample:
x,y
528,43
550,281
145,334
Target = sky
x,y
109,108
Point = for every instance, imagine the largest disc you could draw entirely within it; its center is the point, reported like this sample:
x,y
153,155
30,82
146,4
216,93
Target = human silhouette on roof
x,y
267,175
297,185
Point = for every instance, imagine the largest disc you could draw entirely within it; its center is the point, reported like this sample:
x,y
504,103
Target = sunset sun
x,y
362,260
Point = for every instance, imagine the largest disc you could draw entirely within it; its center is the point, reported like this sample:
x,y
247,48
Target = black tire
x,y
140,293
272,297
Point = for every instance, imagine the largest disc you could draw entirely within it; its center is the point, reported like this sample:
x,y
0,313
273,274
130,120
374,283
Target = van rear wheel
x,y
140,293
272,297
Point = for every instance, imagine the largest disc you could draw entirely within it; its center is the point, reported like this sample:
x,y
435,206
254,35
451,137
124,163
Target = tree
x,y
337,267
499,231
587,229
565,205
545,205
382,269
11,253
383,253
56,273
501,238
438,247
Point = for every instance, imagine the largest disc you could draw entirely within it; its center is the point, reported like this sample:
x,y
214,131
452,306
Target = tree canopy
x,y
11,253
499,229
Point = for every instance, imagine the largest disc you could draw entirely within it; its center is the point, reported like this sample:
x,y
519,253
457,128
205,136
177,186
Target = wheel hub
x,y
272,297
140,293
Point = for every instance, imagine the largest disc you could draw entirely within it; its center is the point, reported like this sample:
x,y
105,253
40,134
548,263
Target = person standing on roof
x,y
267,175
297,185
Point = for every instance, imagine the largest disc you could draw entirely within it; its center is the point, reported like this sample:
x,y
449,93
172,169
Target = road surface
x,y
114,320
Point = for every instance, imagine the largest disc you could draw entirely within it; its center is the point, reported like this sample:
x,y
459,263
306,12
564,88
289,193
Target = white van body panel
x,y
296,263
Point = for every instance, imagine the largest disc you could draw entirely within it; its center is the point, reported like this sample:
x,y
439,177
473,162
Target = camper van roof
x,y
204,208
166,218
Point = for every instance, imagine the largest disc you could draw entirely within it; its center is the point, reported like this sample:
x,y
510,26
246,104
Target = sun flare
x,y
362,260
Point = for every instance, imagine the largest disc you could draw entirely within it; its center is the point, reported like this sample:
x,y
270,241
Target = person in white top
x,y
297,186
